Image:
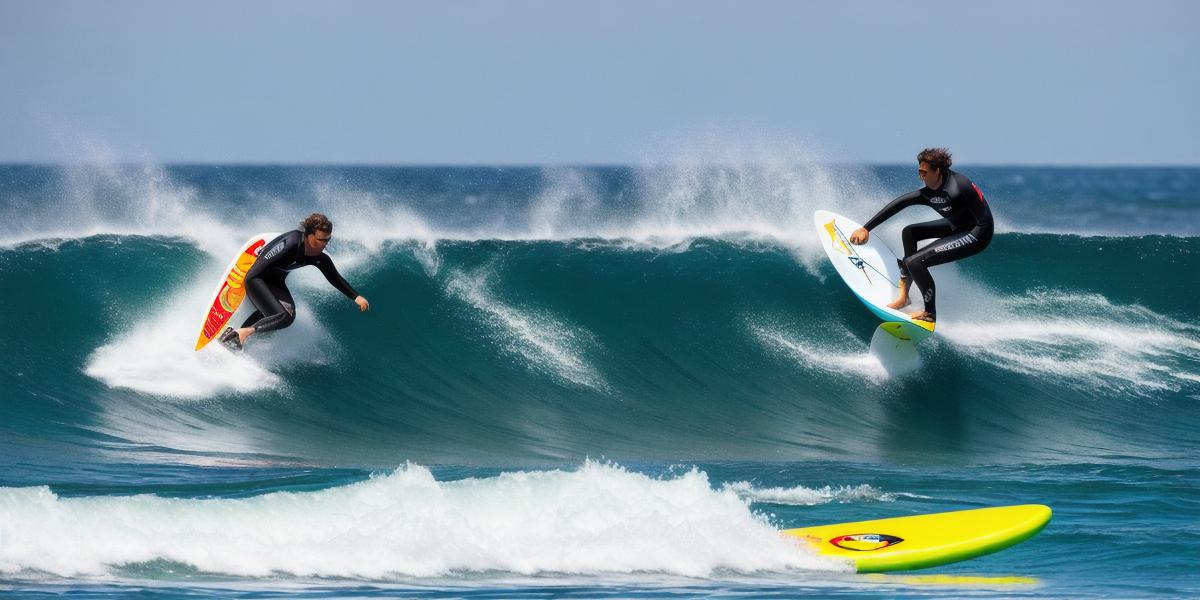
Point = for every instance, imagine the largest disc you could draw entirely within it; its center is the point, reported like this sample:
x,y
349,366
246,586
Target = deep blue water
x,y
587,382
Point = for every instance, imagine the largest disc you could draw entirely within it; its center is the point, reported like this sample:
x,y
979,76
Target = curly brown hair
x,y
317,222
938,158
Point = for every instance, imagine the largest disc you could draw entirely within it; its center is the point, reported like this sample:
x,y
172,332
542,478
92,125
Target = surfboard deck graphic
x,y
923,541
870,271
231,289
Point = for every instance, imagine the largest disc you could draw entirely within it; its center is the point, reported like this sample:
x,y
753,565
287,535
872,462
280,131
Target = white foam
x,y
156,355
599,519
727,185
863,364
545,343
359,217
105,198
724,184
1081,339
803,496
566,206
1187,376
161,362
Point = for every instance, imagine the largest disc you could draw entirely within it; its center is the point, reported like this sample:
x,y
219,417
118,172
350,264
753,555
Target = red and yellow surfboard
x,y
231,290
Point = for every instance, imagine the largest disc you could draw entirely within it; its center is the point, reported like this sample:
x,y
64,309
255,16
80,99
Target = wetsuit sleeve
x,y
895,206
278,251
334,278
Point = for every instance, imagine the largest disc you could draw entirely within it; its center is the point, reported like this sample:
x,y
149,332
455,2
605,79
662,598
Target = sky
x,y
561,82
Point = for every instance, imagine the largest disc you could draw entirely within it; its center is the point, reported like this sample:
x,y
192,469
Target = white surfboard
x,y
870,271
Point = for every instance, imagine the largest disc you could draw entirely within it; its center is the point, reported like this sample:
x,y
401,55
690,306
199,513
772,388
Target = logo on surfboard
x,y
834,238
865,542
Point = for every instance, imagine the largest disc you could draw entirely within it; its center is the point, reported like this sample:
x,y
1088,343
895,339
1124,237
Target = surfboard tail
x,y
909,331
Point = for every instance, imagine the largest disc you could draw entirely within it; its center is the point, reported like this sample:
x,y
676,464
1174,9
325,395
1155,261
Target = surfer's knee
x,y
911,264
288,316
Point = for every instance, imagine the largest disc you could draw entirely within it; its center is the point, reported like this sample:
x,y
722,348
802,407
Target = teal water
x,y
585,382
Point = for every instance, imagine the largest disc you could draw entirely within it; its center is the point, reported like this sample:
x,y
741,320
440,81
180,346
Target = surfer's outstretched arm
x,y
893,207
862,234
336,280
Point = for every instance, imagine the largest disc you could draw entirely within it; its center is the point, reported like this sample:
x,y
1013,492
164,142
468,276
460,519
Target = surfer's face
x,y
317,241
930,176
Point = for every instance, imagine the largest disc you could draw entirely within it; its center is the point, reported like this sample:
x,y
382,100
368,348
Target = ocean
x,y
587,382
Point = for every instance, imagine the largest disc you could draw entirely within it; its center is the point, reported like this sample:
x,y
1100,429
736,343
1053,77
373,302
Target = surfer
x,y
965,228
265,281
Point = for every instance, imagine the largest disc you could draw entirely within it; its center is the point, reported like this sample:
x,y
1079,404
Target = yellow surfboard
x,y
923,541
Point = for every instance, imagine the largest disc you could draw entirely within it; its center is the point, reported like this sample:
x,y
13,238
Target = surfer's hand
x,y
860,236
362,303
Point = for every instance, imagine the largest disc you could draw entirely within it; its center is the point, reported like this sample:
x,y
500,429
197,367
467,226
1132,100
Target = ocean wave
x,y
596,519
553,350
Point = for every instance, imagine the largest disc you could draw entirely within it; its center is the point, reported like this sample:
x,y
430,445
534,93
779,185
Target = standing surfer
x,y
964,229
265,282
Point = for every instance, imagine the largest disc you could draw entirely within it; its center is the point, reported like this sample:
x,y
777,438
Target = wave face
x,y
525,315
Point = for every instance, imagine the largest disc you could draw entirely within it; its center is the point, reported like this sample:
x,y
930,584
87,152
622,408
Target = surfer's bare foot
x,y
924,316
244,333
900,302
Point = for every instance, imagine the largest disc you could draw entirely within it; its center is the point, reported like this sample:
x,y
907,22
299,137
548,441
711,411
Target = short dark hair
x,y
317,222
938,158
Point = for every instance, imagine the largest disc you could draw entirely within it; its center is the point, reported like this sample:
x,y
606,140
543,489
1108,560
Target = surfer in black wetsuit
x,y
265,281
964,229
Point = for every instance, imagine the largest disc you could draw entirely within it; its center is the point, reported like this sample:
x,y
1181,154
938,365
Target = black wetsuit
x,y
964,229
265,281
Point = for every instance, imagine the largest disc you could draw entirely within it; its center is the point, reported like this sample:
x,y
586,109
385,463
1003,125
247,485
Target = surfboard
x,y
870,271
923,541
231,289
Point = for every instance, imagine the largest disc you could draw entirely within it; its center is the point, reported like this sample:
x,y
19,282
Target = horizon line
x,y
564,165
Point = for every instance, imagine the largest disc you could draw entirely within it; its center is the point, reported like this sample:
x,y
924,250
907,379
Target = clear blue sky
x,y
561,82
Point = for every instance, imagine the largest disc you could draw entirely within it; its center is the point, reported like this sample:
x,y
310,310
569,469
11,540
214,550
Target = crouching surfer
x,y
964,229
266,281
